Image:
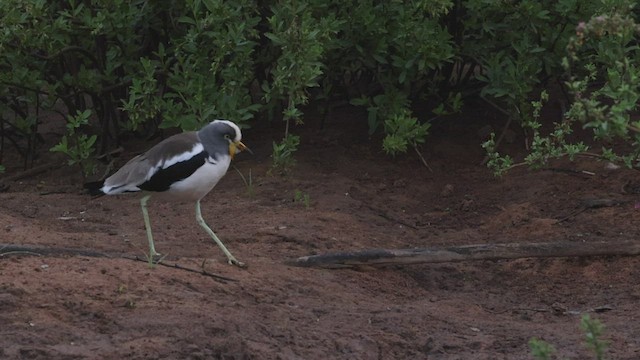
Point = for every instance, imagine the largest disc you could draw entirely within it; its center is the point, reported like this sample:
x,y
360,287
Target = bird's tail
x,y
94,188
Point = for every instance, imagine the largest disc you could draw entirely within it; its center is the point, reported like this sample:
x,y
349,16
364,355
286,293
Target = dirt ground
x,y
78,307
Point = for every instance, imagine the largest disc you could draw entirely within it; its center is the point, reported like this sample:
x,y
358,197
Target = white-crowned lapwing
x,y
183,167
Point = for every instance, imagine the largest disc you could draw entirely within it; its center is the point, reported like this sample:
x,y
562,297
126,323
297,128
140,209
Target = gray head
x,y
221,137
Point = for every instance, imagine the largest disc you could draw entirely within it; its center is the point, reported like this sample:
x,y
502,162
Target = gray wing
x,y
141,168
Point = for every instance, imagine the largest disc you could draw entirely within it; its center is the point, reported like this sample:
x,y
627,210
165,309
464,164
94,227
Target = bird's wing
x,y
163,177
172,159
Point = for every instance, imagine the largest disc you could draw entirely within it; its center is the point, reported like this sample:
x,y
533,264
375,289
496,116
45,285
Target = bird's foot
x,y
240,264
155,258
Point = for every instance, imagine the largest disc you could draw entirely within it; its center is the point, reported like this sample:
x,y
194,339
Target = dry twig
x,y
180,267
27,250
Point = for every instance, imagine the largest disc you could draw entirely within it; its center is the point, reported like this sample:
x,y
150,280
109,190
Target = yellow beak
x,y
236,147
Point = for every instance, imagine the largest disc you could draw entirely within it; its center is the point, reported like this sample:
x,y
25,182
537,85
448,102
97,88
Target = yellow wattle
x,y
232,149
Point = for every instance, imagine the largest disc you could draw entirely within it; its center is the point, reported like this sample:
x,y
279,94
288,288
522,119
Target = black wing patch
x,y
163,178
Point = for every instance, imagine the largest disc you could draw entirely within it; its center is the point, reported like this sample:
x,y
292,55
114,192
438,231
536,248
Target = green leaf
x,y
186,20
211,5
62,146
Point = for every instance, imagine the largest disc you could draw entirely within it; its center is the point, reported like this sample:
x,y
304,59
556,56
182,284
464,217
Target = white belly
x,y
196,186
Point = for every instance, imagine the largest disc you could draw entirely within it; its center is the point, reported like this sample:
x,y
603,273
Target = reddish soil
x,y
77,307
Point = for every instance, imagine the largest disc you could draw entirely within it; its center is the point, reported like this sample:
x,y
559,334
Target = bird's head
x,y
222,133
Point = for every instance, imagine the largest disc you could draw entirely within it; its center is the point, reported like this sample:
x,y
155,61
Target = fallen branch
x,y
387,257
4,182
32,172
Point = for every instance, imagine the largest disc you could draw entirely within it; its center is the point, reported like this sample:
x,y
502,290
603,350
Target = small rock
x,y
428,346
611,166
466,205
447,190
558,308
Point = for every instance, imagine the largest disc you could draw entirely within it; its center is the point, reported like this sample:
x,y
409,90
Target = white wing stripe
x,y
197,148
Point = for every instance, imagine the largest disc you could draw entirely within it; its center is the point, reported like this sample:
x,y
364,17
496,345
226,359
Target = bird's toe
x,y
237,263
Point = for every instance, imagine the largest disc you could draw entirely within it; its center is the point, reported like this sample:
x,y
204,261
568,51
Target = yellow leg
x,y
201,222
147,226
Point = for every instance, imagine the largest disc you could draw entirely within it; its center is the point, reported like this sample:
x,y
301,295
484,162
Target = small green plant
x,y
78,147
543,148
248,182
498,163
540,349
302,198
2,169
403,130
283,152
593,330
130,304
382,107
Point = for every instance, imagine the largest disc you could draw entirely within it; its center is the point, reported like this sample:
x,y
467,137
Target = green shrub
x,y
203,69
600,65
300,38
519,45
603,63
139,65
387,54
76,54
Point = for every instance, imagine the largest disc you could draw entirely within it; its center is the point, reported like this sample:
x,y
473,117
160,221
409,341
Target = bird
x,y
184,167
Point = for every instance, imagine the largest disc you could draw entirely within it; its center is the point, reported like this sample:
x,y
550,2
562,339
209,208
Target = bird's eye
x,y
226,136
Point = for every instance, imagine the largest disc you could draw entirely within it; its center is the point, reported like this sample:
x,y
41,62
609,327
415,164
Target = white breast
x,y
196,186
